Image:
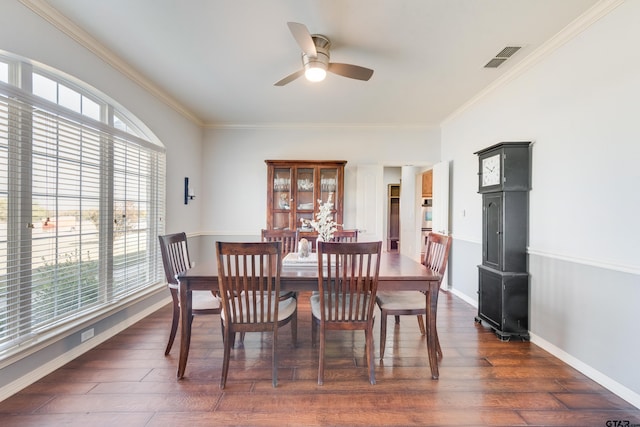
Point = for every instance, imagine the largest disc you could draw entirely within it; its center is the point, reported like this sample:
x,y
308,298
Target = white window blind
x,y
81,204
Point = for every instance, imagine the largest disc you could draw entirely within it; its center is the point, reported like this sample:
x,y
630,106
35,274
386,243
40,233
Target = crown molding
x,y
577,26
65,25
392,126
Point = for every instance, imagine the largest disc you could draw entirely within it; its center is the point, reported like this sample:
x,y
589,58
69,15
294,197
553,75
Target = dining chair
x,y
175,259
347,286
289,239
338,236
249,282
414,302
345,236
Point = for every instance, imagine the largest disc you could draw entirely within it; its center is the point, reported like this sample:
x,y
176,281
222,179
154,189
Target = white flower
x,y
324,223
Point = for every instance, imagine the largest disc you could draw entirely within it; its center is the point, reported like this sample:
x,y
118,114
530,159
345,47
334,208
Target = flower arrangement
x,y
324,223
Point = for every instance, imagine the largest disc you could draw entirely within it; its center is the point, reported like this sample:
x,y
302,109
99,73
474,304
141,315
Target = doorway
x,y
392,176
393,209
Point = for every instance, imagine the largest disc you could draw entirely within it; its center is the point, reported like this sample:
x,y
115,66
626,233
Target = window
x,y
4,72
81,204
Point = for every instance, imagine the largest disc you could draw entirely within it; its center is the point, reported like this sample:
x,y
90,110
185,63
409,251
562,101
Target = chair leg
x,y
438,348
369,350
421,325
227,354
383,332
274,357
294,329
232,339
321,361
174,327
314,331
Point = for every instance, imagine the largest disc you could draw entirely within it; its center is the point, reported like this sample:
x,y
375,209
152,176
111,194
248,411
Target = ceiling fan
x,y
315,58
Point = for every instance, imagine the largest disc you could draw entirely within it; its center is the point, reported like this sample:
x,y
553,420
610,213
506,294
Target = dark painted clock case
x,y
503,280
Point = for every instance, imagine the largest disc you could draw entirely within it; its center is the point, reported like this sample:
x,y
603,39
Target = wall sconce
x,y
188,193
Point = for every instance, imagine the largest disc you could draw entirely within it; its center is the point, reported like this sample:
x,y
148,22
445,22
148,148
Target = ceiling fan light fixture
x,y
315,74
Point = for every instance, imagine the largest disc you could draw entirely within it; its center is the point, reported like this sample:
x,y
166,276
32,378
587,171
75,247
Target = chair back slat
x,y
348,280
249,280
437,252
345,236
175,256
289,239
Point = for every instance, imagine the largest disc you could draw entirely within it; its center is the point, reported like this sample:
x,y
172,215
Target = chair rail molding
x,y
586,261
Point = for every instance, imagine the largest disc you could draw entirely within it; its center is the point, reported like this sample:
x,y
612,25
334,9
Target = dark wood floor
x,y
127,381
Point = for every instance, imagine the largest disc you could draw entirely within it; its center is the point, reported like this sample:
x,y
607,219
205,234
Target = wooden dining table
x,y
397,273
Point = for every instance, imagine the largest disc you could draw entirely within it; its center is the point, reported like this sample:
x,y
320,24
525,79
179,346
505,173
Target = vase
x,y
303,248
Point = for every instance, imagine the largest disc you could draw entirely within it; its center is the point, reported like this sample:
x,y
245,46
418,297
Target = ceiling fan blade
x,y
291,77
351,71
303,38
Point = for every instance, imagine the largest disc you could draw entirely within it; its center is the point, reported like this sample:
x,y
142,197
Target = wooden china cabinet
x,y
294,188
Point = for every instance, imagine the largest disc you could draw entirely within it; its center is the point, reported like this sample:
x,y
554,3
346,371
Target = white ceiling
x,y
217,60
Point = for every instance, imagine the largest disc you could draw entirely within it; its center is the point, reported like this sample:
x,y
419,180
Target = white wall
x,y
580,107
234,178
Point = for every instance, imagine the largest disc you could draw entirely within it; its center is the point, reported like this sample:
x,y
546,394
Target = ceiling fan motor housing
x,y
322,44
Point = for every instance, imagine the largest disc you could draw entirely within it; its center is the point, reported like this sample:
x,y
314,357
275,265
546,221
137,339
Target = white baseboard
x,y
43,370
463,297
611,385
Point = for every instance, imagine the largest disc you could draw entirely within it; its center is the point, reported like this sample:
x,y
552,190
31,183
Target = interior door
x,y
370,206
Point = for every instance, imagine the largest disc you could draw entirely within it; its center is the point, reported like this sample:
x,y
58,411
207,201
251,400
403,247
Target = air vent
x,y
502,56
495,62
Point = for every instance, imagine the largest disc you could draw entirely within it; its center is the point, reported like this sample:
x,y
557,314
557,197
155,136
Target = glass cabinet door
x,y
328,185
282,198
305,197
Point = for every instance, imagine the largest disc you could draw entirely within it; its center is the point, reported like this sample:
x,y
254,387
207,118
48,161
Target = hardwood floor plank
x,y
167,387
585,418
126,402
24,403
352,418
592,401
79,420
96,375
59,388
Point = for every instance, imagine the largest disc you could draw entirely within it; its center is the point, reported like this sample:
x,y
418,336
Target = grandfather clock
x,y
503,280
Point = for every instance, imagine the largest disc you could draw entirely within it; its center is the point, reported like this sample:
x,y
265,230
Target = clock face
x,y
491,170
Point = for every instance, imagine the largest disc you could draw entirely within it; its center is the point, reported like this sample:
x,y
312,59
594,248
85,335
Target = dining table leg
x,y
432,306
185,325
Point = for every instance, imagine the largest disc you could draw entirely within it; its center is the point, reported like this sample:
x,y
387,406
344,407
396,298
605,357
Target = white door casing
x,y
441,204
370,202
441,198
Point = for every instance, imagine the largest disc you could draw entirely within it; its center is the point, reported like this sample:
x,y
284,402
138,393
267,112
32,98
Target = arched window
x,y
81,203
